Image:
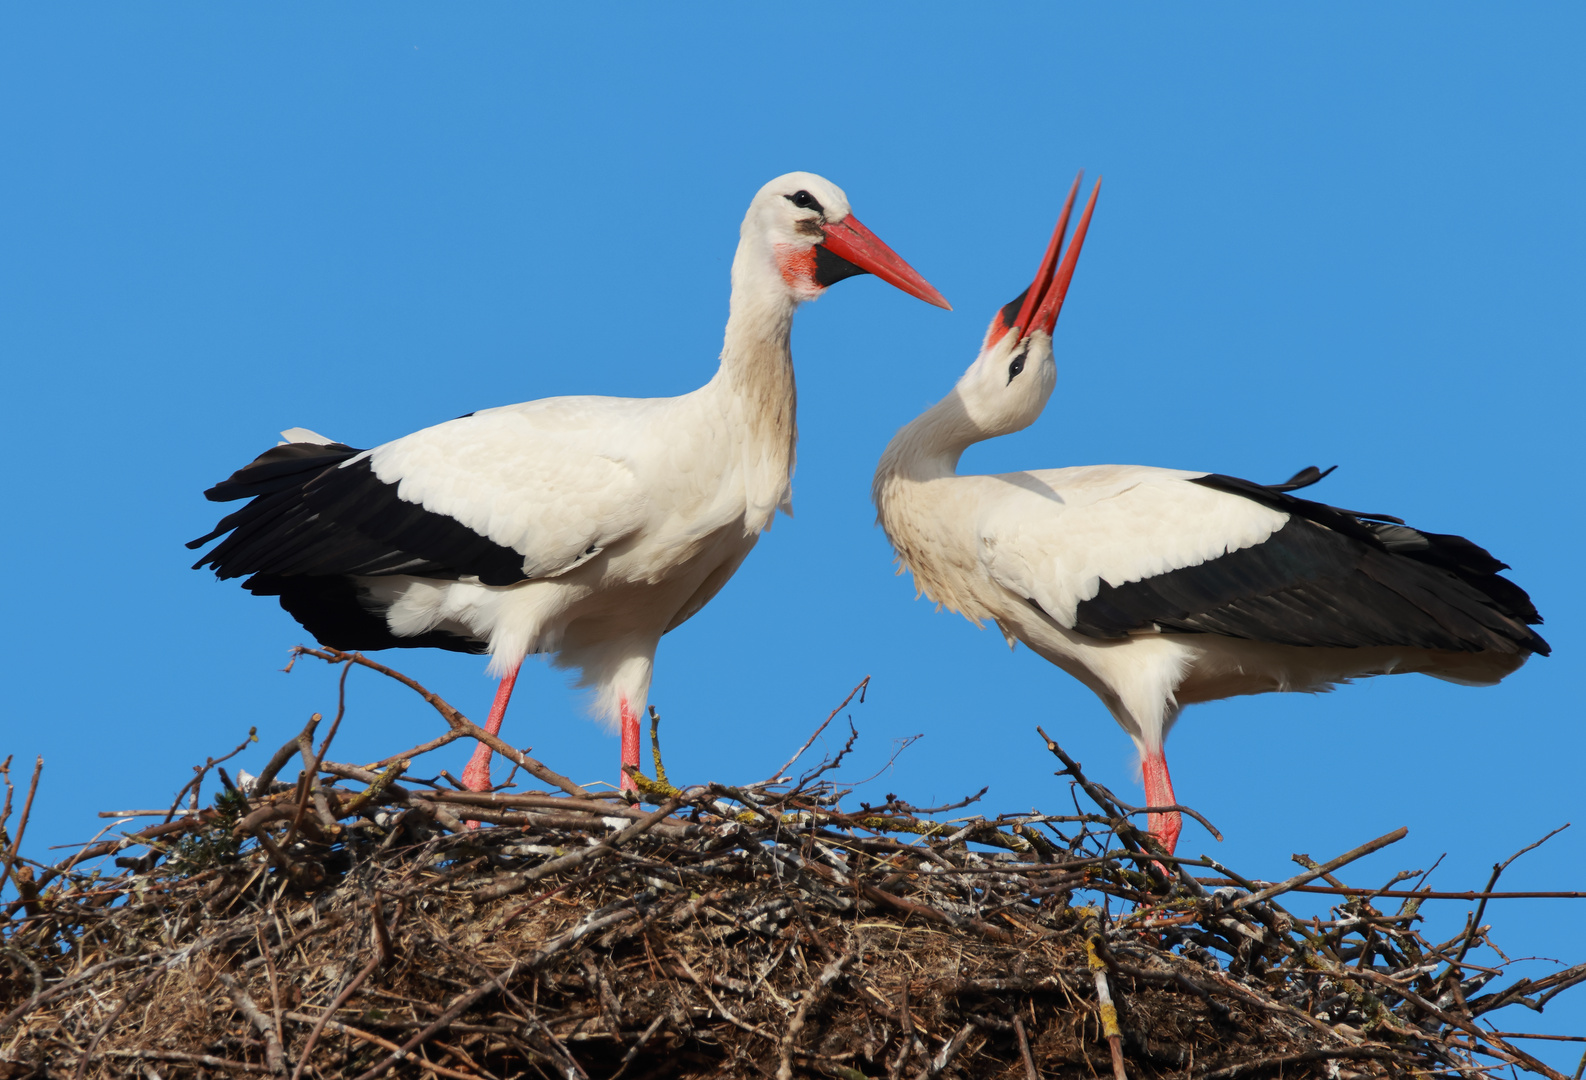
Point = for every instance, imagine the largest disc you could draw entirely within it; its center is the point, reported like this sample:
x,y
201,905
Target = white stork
x,y
1159,588
583,527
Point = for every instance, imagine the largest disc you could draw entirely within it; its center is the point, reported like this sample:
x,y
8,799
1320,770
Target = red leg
x,y
1159,792
630,745
477,776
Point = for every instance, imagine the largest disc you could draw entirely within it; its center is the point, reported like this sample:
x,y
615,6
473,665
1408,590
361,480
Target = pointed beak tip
x,y
1054,277
854,242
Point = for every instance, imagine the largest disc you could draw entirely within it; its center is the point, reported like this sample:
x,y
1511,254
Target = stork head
x,y
1008,385
800,232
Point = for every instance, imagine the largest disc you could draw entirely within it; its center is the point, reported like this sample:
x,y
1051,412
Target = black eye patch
x,y
1016,367
805,201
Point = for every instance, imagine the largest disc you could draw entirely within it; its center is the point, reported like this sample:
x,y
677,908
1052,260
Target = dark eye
x,y
805,201
1015,367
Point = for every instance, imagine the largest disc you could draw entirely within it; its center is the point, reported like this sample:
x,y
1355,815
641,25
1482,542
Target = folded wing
x,y
1125,552
503,496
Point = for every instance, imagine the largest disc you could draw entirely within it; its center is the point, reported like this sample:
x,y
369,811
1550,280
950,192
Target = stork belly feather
x,y
615,604
1145,679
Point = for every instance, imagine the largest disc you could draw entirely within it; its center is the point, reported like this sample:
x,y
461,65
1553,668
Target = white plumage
x,y
1159,588
581,527
1053,534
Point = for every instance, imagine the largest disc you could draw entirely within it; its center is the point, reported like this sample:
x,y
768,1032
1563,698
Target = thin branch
x,y
22,822
1311,875
788,764
1497,869
456,720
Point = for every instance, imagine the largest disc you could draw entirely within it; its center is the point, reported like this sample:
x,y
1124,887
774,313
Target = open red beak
x,y
1039,305
850,240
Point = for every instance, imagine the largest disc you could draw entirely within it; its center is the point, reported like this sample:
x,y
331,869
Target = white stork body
x,y
580,527
1159,588
1026,550
649,506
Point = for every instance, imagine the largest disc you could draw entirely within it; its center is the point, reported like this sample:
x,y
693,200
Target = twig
x,y
1497,869
22,823
273,1056
655,747
508,884
453,1011
422,748
833,763
311,763
945,1057
1332,864
186,1059
789,763
1135,811
110,1021
201,771
727,1014
66,984
275,990
384,1044
907,1049
1109,1012
1464,1025
1024,1049
1098,795
639,1044
812,1000
330,1012
278,760
456,720
1405,894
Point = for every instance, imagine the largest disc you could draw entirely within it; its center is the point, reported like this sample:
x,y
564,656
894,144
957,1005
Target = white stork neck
x,y
756,376
756,357
930,445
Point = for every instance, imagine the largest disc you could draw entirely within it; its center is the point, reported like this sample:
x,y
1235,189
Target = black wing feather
x,y
279,468
1329,577
316,519
331,609
312,515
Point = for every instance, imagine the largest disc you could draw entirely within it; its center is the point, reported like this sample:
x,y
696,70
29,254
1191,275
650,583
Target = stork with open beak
x,y
579,527
1159,588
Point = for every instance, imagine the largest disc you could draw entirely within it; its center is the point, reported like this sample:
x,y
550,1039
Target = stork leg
x,y
477,776
1159,792
630,746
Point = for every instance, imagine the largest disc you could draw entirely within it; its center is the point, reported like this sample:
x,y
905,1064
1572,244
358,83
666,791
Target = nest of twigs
x,y
351,924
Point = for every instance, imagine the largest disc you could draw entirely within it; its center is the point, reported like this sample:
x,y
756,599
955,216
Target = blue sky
x,y
1348,236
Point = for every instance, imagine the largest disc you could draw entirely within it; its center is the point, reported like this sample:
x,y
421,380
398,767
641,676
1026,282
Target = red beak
x,y
1043,300
1046,315
850,240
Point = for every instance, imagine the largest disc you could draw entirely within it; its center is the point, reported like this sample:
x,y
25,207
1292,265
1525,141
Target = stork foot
x,y
660,788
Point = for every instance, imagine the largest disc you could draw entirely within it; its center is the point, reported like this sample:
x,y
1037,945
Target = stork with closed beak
x,y
1160,588
580,527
